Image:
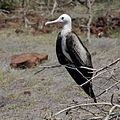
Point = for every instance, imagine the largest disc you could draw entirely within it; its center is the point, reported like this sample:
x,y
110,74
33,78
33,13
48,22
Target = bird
x,y
72,53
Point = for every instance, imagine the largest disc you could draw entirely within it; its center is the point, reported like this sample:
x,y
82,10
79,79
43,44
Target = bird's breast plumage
x,y
64,48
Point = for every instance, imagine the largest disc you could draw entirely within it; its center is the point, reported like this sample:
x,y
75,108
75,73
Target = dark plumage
x,y
72,53
76,62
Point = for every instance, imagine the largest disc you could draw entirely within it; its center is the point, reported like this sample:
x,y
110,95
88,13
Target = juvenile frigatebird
x,y
72,53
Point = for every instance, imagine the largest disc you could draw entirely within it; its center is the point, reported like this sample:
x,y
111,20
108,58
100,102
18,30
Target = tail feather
x,y
79,79
89,91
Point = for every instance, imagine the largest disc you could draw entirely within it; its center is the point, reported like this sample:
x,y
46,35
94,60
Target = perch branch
x,y
97,73
95,70
100,70
95,76
44,67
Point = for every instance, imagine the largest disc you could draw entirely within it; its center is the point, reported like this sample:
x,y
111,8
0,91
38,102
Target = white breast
x,y
64,48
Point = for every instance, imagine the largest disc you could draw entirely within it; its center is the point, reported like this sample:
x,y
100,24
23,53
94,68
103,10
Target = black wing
x,y
77,51
73,43
80,57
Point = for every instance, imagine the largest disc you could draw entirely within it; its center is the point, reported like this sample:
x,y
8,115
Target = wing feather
x,y
77,51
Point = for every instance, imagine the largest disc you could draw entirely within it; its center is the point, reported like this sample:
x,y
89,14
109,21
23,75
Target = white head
x,y
66,22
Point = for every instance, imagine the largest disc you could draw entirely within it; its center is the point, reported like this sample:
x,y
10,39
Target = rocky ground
x,y
25,96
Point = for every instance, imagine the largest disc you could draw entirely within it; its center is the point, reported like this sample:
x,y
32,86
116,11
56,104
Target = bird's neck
x,y
66,29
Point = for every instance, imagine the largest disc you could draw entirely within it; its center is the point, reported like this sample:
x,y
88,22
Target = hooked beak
x,y
54,21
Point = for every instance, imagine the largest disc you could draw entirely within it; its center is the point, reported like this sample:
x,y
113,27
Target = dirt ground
x,y
25,96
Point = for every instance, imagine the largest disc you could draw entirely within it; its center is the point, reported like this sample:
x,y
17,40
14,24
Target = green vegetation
x,y
8,4
114,33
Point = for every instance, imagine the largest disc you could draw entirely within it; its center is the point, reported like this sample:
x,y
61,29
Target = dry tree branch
x,y
109,65
96,71
90,19
106,90
96,76
88,111
112,99
106,9
5,11
108,116
109,88
54,6
43,67
92,2
82,105
88,4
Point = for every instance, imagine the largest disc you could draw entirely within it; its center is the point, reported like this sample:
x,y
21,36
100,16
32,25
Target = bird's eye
x,y
62,18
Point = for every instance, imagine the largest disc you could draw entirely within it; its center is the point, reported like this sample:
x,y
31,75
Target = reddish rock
x,y
27,60
103,25
13,24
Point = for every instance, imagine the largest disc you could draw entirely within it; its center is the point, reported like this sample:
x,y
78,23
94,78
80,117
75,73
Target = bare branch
x,y
5,11
112,99
107,66
96,76
92,2
101,69
90,19
82,105
43,67
106,9
106,90
95,70
97,73
54,6
108,116
88,28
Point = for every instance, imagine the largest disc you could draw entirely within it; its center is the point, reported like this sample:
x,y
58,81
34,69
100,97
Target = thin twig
x,y
107,66
95,77
112,99
89,6
54,6
108,116
5,11
44,67
97,73
106,9
81,105
109,88
95,70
